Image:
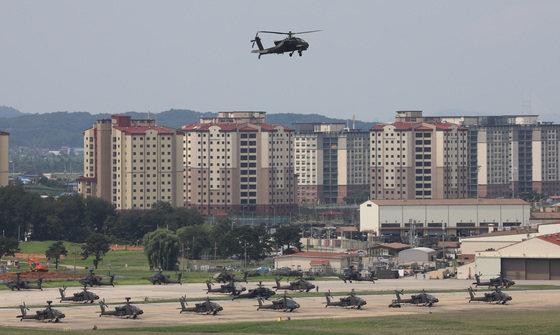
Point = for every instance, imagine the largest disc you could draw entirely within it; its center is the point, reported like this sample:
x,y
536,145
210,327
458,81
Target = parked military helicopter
x,y
49,314
290,44
128,310
226,277
423,299
259,292
352,301
352,275
496,296
286,304
84,295
298,285
229,288
92,280
159,278
500,281
20,284
206,307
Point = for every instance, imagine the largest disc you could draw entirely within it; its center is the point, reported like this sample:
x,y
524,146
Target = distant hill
x,y
8,112
54,130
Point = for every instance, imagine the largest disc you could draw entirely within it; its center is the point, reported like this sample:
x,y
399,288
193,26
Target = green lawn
x,y
487,323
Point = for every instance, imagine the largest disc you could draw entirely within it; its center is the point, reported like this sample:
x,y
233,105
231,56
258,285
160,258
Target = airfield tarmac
x,y
86,316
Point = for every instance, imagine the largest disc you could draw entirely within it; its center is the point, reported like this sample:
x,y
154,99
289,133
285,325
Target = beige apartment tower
x,y
331,162
412,159
239,163
132,163
4,160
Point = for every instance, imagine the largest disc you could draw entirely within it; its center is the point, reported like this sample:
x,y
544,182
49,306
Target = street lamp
x,y
513,168
477,172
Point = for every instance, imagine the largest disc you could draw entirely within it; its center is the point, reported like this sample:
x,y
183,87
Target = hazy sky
x,y
371,59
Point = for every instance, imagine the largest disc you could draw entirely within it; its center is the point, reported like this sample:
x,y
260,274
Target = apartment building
x,y
132,163
510,154
4,160
237,162
331,162
413,159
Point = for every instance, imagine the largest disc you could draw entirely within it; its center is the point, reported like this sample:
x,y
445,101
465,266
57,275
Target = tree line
x,y
163,229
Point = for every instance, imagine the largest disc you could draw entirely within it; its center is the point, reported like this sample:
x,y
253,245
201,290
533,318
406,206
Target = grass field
x,y
488,323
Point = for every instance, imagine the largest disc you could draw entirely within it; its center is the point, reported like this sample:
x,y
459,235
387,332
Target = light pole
x,y
477,172
513,168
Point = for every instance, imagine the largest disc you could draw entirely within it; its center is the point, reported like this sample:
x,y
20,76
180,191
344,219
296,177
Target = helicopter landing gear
x,y
291,53
300,53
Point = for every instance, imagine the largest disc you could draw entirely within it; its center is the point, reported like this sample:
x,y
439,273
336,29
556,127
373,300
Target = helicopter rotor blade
x,y
306,32
272,32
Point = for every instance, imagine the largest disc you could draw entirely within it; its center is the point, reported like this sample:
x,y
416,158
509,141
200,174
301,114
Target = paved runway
x,y
83,316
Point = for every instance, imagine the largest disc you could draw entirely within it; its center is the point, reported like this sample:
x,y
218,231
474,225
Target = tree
x,y
97,245
197,239
249,243
287,236
56,250
8,246
162,249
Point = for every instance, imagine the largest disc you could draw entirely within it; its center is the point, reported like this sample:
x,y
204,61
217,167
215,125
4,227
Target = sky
x,y
371,58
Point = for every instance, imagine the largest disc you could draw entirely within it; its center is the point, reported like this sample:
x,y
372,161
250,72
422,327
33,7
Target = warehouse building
x,y
417,255
537,258
327,261
460,217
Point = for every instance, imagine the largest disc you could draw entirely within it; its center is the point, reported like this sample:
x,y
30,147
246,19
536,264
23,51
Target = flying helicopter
x,y
290,44
207,306
84,295
50,314
128,310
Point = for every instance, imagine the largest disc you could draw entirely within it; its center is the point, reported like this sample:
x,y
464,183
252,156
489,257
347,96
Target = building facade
x,y
4,160
331,162
510,154
459,217
239,163
132,163
413,159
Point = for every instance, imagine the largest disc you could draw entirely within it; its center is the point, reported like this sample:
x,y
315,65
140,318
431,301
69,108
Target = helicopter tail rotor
x,y
257,40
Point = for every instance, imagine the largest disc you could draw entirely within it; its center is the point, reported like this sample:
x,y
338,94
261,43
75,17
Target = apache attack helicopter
x,y
92,280
290,44
500,281
496,296
128,310
298,285
159,278
352,301
84,295
49,314
423,299
206,307
226,277
229,288
259,292
20,284
351,275
286,304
